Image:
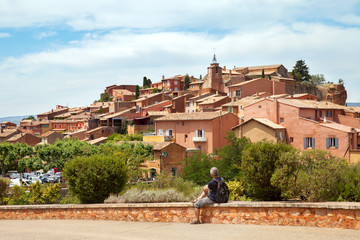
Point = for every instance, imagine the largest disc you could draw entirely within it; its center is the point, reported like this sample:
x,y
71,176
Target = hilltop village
x,y
181,115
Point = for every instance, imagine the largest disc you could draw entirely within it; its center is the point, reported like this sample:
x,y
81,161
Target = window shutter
x,y
305,142
336,142
196,133
313,142
203,133
327,142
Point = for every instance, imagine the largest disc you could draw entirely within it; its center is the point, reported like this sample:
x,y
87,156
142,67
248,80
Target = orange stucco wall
x,y
215,131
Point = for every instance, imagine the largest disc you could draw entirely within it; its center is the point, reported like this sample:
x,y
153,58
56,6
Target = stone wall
x,y
331,215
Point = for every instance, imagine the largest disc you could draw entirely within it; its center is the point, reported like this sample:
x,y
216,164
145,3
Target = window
x,y
183,123
176,89
309,142
259,106
291,139
192,86
332,142
238,93
281,136
199,147
230,109
64,125
329,113
200,133
281,120
320,113
175,82
174,171
160,132
169,132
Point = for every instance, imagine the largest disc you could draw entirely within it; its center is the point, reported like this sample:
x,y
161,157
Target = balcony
x,y
199,139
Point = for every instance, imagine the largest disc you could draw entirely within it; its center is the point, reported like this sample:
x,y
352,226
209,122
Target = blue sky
x,y
66,52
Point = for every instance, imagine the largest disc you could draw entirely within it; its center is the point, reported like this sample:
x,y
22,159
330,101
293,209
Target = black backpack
x,y
222,192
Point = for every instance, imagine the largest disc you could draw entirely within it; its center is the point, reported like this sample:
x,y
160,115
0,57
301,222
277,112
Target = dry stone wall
x,y
330,215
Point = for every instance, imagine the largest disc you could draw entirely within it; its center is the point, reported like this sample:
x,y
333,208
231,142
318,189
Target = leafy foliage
x,y
259,162
146,82
116,137
236,189
311,175
4,189
18,196
318,79
137,91
230,156
186,82
197,167
301,71
105,97
44,194
349,185
92,179
10,154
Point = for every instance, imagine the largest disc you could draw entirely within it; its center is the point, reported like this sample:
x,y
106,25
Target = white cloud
x,y
46,34
5,35
76,74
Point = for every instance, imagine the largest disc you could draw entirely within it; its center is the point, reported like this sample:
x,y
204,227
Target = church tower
x,y
213,79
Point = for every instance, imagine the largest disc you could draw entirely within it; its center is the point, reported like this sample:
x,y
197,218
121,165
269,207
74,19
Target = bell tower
x,y
214,77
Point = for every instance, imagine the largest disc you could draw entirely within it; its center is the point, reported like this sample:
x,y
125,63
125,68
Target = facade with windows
x,y
309,124
204,131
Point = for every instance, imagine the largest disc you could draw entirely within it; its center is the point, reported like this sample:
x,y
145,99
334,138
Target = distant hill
x,y
353,104
13,119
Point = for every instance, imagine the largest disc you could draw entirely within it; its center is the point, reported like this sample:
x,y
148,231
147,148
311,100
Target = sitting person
x,y
208,195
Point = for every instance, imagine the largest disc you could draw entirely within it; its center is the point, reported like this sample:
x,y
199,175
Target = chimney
x,y
163,77
276,111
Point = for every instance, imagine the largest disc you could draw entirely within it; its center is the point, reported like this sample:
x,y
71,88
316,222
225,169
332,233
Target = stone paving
x,y
109,230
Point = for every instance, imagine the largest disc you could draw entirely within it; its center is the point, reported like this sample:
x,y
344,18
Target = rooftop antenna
x,y
214,58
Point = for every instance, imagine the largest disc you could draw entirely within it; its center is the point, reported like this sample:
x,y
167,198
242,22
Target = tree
x,y
258,164
197,168
137,92
186,82
318,79
310,175
301,71
92,179
31,117
146,82
200,76
10,154
341,81
230,156
105,97
262,73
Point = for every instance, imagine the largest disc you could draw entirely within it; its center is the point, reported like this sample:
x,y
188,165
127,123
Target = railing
x,y
199,139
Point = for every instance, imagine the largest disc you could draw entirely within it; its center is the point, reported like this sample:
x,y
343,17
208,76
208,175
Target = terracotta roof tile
x,y
192,116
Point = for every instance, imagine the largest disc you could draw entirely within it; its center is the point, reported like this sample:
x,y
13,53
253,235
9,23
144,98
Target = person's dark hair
x,y
214,171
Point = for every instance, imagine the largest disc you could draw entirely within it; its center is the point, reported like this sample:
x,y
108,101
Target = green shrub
x,y
236,189
309,175
70,198
259,161
18,196
349,185
197,168
4,189
92,179
44,194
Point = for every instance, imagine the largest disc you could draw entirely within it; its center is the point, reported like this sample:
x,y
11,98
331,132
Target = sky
x,y
65,52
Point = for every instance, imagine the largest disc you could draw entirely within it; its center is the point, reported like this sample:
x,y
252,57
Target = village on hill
x,y
180,115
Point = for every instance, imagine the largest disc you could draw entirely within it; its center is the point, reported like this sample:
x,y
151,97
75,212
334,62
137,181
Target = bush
x,y
4,189
349,185
18,196
92,179
197,168
44,194
70,199
259,162
310,175
236,189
